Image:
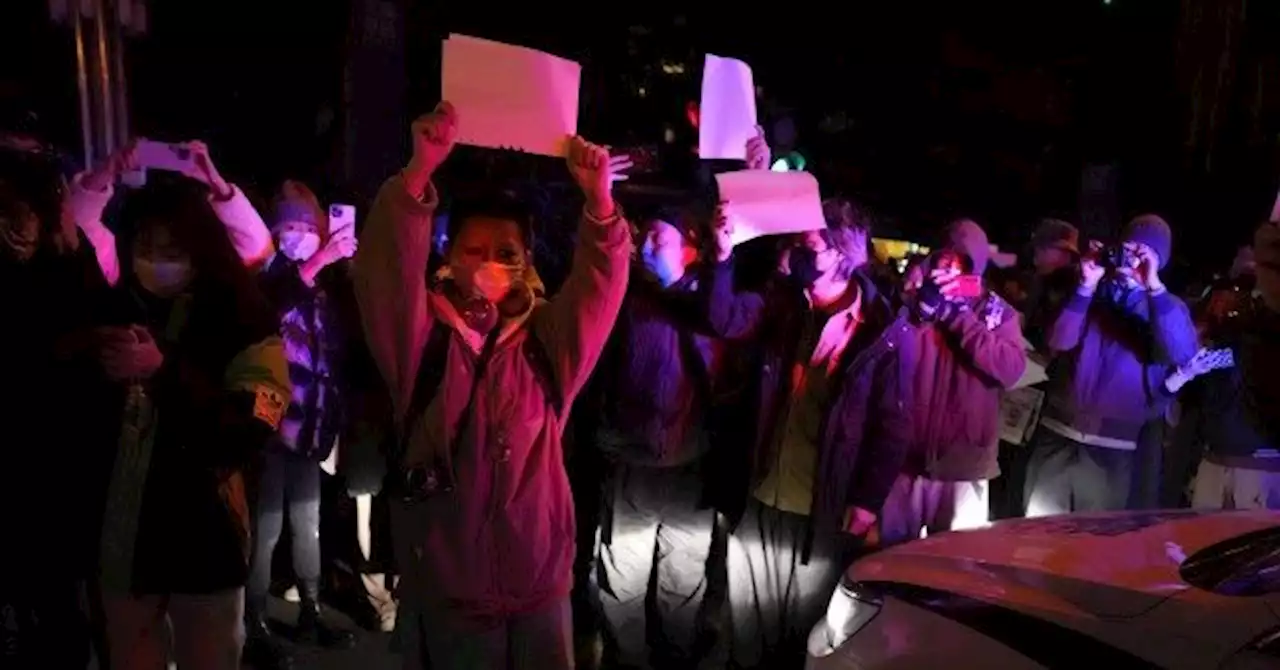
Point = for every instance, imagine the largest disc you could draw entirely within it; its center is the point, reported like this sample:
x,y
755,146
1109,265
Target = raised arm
x,y
390,270
997,352
575,325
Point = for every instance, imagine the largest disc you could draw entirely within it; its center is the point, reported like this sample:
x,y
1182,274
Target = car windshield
x,y
1246,565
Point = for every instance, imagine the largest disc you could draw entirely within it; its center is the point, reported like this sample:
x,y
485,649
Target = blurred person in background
x,y
1055,257
51,288
289,478
1260,357
1238,468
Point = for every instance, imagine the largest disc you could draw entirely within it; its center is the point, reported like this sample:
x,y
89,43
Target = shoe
x,y
263,649
313,629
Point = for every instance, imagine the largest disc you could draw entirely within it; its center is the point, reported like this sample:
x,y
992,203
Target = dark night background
x,y
925,110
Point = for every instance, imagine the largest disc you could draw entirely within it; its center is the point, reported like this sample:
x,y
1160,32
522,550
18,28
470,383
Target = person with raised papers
x,y
481,373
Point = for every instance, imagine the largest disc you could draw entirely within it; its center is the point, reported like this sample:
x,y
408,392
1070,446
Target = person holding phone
x,y
91,191
289,478
199,387
971,350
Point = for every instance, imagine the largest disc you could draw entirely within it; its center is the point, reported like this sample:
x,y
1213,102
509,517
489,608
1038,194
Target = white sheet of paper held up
x,y
762,202
727,111
510,97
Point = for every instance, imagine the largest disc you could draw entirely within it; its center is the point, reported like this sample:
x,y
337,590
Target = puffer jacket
x,y
501,542
312,343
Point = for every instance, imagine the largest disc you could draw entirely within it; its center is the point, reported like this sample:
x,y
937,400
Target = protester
x,y
830,351
652,395
1055,249
202,386
970,346
289,478
1239,469
484,527
1120,339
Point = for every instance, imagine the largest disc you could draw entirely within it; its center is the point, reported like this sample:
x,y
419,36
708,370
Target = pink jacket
x,y
502,542
248,232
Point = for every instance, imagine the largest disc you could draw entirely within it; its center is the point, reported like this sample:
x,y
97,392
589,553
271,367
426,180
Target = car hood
x,y
1120,564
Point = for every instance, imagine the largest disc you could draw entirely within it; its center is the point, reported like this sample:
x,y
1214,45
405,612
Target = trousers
x,y
443,640
919,505
775,599
287,482
1066,476
656,530
205,631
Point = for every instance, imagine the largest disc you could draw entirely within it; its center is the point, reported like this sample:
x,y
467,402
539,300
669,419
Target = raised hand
x,y
590,166
758,153
341,246
204,171
1148,271
618,166
105,175
1091,271
434,136
722,233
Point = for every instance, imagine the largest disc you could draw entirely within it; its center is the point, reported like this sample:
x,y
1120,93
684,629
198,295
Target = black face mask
x,y
803,262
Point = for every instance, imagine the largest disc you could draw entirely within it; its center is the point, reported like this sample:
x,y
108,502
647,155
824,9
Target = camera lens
x,y
335,211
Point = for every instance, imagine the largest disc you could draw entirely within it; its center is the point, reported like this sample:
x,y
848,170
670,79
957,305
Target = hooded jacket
x,y
968,356
501,542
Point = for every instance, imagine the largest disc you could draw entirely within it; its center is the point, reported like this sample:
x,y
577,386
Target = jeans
x,y
292,482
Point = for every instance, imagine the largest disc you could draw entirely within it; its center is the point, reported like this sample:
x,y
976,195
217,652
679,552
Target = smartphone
x,y
965,286
163,156
342,219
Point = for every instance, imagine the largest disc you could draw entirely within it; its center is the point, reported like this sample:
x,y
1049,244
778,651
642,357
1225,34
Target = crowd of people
x,y
657,446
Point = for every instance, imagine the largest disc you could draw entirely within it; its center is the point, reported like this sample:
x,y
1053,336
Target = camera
x,y
1116,256
335,211
422,482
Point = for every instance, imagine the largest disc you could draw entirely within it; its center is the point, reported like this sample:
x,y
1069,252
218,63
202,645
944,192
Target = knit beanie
x,y
1152,231
297,204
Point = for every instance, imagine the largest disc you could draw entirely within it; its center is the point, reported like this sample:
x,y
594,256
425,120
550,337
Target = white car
x,y
1171,590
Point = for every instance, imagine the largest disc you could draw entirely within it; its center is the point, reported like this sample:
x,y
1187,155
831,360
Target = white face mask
x,y
163,278
298,245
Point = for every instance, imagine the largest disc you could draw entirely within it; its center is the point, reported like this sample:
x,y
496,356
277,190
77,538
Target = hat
x,y
1152,231
1056,234
968,238
297,204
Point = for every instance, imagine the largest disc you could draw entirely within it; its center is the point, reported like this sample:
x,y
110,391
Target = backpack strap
x,y
431,369
540,362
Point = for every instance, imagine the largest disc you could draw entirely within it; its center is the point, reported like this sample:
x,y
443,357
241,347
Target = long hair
x,y
222,279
